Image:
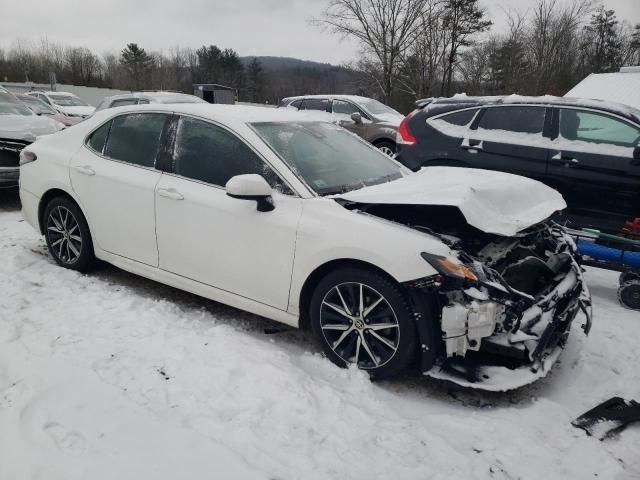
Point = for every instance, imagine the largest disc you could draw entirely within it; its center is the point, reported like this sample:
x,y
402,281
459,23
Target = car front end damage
x,y
9,161
505,311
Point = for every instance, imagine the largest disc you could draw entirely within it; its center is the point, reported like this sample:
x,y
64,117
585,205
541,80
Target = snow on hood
x,y
494,202
79,110
27,127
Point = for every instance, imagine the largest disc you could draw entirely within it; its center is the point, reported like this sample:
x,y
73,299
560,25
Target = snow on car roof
x,y
627,111
354,98
618,87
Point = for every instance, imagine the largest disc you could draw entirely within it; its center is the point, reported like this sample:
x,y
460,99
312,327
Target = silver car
x,y
140,98
370,119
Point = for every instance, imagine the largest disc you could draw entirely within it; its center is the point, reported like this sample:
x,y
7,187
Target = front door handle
x,y
171,193
85,170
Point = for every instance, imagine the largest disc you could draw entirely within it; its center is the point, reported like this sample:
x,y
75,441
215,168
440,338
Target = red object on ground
x,y
632,228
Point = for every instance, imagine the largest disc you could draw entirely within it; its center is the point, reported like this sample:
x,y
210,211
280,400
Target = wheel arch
x,y
321,271
50,195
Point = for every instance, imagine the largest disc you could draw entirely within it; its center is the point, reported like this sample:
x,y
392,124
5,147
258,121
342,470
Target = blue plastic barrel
x,y
600,252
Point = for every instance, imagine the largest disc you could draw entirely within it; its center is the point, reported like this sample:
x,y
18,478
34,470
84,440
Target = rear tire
x,y
67,235
629,294
361,317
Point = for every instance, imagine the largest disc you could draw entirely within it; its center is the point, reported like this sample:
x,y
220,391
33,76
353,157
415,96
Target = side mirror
x,y
251,187
356,117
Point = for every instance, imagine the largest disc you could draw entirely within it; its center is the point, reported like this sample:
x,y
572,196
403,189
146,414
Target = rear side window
x,y
315,104
135,138
514,119
123,101
459,118
597,128
98,138
210,154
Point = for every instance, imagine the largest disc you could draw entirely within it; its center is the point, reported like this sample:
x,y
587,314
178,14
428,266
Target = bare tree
x,y
386,30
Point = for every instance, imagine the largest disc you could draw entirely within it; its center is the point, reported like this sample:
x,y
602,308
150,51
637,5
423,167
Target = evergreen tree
x,y
255,82
602,43
137,63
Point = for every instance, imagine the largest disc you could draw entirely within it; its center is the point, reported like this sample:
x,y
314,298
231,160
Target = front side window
x,y
595,127
320,104
296,104
328,157
514,119
344,108
211,154
10,105
135,138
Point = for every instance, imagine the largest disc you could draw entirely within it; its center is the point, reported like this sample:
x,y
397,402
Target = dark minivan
x,y
588,150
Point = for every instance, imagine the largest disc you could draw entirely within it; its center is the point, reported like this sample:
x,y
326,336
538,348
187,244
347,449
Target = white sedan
x,y
458,271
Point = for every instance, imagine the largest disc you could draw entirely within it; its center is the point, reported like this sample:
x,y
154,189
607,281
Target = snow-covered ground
x,y
110,376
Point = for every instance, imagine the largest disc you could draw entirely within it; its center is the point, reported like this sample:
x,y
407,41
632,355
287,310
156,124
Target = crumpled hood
x,y
83,111
26,127
493,202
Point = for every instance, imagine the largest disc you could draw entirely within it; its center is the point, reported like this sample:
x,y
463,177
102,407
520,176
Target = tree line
x,y
410,49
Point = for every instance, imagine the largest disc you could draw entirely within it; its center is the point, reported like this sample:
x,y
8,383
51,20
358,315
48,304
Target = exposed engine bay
x,y
505,319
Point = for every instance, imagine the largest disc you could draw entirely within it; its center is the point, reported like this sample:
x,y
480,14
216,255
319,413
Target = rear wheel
x,y
67,234
629,294
387,147
361,317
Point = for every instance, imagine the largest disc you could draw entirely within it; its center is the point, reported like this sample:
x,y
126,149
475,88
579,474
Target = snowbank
x,y
111,376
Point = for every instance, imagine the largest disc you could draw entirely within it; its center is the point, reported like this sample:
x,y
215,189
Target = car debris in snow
x,y
609,418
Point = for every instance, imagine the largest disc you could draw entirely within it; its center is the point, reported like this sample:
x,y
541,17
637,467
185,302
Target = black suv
x,y
586,149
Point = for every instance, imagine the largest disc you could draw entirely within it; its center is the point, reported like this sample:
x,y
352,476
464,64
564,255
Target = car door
x,y
114,177
594,167
508,139
212,238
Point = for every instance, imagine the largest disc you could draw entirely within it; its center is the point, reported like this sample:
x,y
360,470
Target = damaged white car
x,y
459,272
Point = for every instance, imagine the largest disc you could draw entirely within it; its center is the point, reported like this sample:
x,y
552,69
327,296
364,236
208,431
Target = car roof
x,y
353,98
464,101
228,113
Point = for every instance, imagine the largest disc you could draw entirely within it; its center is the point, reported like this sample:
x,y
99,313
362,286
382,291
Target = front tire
x,y
387,147
362,317
67,235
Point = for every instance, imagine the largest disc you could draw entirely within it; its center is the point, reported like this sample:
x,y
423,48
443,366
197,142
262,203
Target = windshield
x,y
377,108
9,105
37,105
329,159
67,101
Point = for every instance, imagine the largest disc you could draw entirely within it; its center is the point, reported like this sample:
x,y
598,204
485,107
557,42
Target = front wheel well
x,y
312,280
44,201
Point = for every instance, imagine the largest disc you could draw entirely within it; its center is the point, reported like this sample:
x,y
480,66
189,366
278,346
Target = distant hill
x,y
286,63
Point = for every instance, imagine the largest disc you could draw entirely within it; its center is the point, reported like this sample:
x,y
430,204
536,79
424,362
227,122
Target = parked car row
x,y
295,219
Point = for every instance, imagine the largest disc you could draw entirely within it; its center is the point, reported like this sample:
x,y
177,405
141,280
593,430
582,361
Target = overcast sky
x,y
251,27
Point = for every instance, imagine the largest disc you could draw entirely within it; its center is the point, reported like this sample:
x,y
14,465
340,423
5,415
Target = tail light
x,y
405,136
27,156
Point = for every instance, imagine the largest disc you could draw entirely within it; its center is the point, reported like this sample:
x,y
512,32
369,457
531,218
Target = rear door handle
x,y
85,170
568,161
171,193
473,146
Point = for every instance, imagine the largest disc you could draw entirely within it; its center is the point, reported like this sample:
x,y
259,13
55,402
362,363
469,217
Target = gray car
x,y
140,98
370,119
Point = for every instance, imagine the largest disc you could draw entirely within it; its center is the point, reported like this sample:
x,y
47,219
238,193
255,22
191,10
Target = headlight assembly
x,y
449,269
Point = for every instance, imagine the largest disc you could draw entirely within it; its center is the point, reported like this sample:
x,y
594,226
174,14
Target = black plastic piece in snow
x,y
608,418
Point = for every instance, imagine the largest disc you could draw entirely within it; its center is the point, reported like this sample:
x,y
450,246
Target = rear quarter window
x,y
461,119
98,138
